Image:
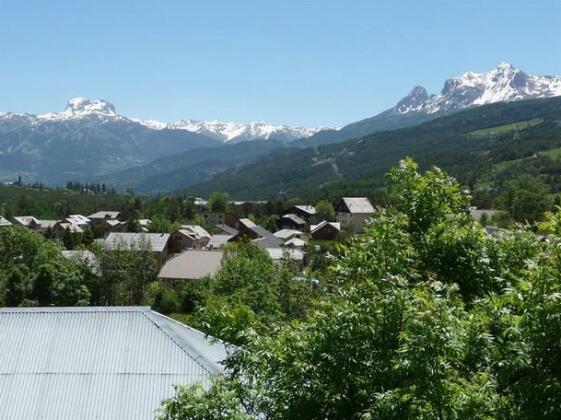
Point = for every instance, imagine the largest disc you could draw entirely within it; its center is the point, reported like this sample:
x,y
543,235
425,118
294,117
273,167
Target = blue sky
x,y
290,61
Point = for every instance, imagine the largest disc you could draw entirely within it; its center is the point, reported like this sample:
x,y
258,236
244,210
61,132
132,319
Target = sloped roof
x,y
322,224
227,229
290,253
294,218
192,264
126,240
72,227
296,243
25,220
287,233
196,230
104,215
5,222
78,219
358,204
217,241
97,362
311,210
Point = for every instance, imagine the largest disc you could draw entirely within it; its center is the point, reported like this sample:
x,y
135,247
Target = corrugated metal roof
x,y
97,363
124,240
4,222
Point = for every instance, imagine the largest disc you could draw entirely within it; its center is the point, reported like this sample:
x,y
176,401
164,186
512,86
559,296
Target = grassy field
x,y
506,128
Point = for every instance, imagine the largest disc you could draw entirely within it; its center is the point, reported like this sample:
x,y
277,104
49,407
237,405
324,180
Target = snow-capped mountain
x,y
233,132
501,84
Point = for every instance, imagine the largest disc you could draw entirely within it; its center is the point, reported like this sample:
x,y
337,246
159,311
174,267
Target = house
x,y
60,229
100,218
325,230
291,221
218,241
27,221
352,212
4,222
192,265
287,234
34,223
113,225
98,362
104,215
249,229
296,243
189,236
305,212
279,255
156,243
78,220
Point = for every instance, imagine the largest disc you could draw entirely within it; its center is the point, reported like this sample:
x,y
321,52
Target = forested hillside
x,y
483,147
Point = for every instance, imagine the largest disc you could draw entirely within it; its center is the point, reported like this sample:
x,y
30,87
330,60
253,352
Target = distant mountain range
x,y
232,132
504,83
482,146
90,140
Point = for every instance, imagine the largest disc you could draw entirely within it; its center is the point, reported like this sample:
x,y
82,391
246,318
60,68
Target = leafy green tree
x,y
526,199
17,287
425,317
218,202
325,211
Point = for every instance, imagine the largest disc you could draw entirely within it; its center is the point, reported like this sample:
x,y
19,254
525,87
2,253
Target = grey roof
x,y
286,234
45,224
227,229
96,362
311,210
105,215
291,253
195,231
217,241
322,224
25,220
4,222
358,205
78,219
294,218
133,241
296,243
192,264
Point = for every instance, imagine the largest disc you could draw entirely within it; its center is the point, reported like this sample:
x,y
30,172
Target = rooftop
x,y
134,241
192,264
97,362
358,204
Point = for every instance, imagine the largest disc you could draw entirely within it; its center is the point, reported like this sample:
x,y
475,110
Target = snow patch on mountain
x,y
502,84
236,132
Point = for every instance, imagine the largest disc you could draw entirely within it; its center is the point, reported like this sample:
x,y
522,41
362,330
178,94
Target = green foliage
x,y
325,211
425,316
526,199
218,202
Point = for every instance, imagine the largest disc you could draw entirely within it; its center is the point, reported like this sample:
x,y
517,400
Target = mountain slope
x,y
174,172
453,142
505,83
88,138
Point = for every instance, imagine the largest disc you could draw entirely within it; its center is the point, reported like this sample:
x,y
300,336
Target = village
x,y
193,251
